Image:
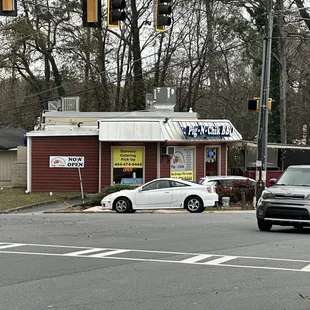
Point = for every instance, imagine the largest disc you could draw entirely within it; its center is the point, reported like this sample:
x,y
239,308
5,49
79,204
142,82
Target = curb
x,y
231,211
149,211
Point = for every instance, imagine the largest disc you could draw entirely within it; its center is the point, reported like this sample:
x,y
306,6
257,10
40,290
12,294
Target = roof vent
x,y
164,98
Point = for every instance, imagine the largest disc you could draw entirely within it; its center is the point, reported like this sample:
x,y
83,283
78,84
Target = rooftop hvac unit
x,y
53,105
70,104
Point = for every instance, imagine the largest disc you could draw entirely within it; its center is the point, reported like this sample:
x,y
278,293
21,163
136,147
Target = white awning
x,y
123,130
168,130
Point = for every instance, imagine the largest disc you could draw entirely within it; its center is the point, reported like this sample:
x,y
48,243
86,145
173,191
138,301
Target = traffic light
x,y
163,10
115,13
91,13
8,7
254,104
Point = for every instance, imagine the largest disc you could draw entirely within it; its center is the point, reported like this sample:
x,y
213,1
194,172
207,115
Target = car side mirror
x,y
273,181
140,189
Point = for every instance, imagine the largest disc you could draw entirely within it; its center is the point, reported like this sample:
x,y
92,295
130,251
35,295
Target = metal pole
x,y
267,85
262,134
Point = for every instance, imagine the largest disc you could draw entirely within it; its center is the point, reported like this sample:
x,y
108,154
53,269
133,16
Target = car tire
x,y
132,210
194,204
122,205
264,226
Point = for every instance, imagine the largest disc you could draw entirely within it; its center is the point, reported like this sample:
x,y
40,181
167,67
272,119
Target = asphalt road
x,y
151,261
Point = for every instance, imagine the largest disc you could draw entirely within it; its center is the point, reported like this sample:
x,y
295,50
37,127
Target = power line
x,y
100,85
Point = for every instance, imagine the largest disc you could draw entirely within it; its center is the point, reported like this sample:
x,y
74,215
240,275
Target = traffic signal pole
x,y
262,133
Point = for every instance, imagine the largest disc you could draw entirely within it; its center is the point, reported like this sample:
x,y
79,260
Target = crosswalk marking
x,y
7,246
307,268
109,253
149,256
77,253
195,259
220,260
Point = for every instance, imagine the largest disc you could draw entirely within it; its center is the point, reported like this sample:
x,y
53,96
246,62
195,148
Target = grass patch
x,y
11,198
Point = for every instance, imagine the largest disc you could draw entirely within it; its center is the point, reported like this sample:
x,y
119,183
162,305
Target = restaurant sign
x,y
209,130
66,161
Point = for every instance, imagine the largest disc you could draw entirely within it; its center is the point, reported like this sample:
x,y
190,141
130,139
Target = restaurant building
x,y
96,150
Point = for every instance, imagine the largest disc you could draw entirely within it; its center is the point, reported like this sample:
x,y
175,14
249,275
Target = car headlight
x,y
107,198
267,195
307,197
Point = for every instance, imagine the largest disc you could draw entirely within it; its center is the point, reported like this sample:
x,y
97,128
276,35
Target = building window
x,y
182,163
127,165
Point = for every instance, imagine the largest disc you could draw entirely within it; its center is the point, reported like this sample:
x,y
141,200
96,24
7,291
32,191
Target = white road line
x,y
109,253
84,252
10,246
220,260
161,261
195,259
307,268
161,252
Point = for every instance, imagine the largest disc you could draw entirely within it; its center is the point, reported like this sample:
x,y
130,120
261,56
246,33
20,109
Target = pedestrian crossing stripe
x,y
201,259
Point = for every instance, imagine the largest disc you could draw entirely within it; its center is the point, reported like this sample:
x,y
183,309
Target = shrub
x,y
96,199
223,191
234,193
243,186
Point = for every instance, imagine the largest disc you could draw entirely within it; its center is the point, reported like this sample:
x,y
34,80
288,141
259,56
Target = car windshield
x,y
295,177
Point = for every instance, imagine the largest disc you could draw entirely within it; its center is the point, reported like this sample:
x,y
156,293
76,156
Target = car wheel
x,y
132,210
194,204
122,205
264,226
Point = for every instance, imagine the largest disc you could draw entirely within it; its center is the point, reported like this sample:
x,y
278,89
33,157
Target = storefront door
x,y
212,160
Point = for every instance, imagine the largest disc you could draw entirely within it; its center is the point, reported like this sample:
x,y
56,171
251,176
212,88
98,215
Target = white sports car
x,y
165,193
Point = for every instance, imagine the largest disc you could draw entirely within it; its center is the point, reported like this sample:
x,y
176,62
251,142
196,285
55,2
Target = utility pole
x,y
262,133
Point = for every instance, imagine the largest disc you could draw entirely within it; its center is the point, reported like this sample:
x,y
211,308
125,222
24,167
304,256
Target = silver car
x,y
224,180
287,201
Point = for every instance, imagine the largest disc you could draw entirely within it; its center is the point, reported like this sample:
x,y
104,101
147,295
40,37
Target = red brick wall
x,y
200,161
223,159
164,166
44,178
150,164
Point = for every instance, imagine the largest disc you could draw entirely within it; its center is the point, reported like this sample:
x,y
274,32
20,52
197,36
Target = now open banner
x,y
66,161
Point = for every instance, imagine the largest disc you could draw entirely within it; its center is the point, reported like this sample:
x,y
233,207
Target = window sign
x,y
210,155
127,157
66,161
127,165
182,163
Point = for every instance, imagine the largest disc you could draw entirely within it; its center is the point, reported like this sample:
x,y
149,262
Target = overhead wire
x,y
101,72
84,90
